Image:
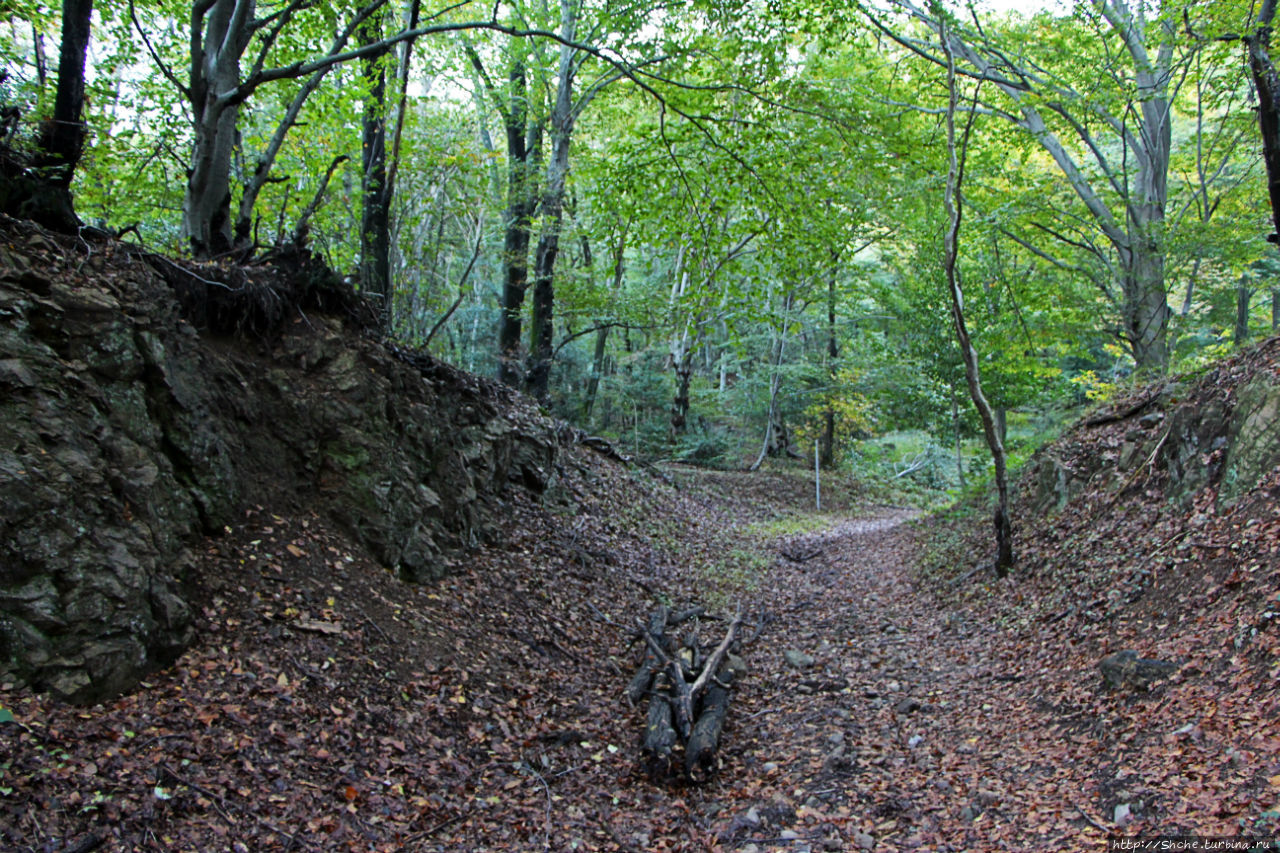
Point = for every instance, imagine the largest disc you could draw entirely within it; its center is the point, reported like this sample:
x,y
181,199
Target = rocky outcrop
x,y
1124,670
1219,431
126,432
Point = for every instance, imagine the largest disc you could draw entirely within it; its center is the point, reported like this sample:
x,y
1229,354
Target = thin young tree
x,y
954,205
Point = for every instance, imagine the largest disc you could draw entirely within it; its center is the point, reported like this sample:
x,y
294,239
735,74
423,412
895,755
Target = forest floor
x,y
328,706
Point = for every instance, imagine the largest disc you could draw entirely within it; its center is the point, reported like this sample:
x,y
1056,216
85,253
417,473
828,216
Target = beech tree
x,y
1107,127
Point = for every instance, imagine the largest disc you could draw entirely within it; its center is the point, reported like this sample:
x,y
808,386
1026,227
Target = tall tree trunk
x,y
216,48
954,203
520,204
541,329
1136,230
375,216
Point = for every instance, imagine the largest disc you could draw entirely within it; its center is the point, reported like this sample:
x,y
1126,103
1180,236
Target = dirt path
x,y
328,706
907,729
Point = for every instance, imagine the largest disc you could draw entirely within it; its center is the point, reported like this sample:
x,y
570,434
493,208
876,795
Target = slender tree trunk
x,y
602,334
1275,308
776,441
1267,83
955,426
375,216
954,204
828,440
597,368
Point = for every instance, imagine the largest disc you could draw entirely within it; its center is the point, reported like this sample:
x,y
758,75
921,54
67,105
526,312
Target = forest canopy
x,y
705,229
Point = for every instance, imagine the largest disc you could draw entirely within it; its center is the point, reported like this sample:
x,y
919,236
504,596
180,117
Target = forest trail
x,y
329,706
908,730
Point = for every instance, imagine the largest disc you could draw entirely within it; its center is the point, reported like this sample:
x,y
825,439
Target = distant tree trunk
x,y
602,334
1244,295
375,216
776,440
46,198
954,204
828,440
1275,308
955,426
680,404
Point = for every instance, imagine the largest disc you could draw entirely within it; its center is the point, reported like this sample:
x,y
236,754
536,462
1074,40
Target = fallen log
x,y
652,662
659,735
704,740
681,700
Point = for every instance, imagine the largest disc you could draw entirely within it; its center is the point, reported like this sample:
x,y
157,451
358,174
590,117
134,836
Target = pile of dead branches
x,y
688,691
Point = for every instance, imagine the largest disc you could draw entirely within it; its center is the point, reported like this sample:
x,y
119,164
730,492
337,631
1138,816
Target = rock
x,y
863,841
1253,438
986,797
1124,670
125,435
907,706
798,659
788,835
1150,420
1123,814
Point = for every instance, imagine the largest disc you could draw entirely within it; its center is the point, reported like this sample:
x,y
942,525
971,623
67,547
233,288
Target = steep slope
x,y
1152,526
146,403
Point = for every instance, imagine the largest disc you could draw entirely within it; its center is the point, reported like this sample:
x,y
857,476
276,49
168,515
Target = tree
x,y
954,203
44,194
1119,121
221,35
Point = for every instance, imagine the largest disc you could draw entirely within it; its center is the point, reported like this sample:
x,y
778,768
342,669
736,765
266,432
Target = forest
x,y
706,230
729,425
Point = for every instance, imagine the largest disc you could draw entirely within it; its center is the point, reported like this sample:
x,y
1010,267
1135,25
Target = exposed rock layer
x,y
125,432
